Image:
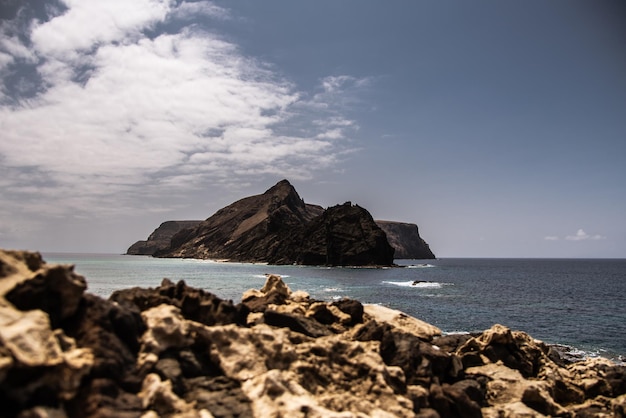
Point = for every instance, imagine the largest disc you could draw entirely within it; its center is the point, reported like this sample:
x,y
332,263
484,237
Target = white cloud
x,y
123,115
551,238
14,48
332,84
86,24
336,133
192,10
581,235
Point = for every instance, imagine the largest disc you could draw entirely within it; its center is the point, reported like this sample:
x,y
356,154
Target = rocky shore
x,y
176,351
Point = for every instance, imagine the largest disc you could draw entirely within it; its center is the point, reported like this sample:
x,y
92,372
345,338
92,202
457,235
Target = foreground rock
x,y
175,351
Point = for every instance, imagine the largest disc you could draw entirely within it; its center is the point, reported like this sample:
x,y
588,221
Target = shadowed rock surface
x,y
343,235
180,352
277,227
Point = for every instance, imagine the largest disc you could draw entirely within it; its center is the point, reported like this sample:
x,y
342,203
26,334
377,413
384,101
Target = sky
x,y
499,128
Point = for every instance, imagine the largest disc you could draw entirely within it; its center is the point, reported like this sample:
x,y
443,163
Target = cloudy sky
x,y
498,127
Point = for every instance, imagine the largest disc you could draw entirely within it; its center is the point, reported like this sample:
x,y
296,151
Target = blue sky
x,y
498,127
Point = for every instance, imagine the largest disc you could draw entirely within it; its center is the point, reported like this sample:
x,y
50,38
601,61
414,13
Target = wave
x,y
418,284
264,276
420,266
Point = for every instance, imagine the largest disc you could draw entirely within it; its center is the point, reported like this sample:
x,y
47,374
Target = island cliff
x,y
278,227
160,238
179,352
405,239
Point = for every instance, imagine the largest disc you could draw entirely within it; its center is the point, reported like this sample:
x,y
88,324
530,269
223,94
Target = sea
x,y
576,304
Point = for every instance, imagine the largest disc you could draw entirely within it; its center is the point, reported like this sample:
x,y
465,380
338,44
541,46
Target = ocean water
x,y
577,303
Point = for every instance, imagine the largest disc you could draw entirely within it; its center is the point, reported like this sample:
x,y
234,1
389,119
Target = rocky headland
x,y
160,238
278,227
176,351
405,239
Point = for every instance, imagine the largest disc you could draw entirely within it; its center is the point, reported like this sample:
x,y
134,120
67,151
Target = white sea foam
x,y
420,266
417,284
264,276
455,332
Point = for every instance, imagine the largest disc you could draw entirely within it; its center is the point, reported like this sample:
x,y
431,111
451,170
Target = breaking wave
x,y
418,284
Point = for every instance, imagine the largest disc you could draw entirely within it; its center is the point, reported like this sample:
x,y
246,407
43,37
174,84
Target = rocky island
x,y
179,352
278,227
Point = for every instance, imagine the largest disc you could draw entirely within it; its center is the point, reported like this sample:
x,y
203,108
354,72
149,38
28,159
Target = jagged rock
x,y
344,235
28,283
174,351
274,292
166,329
351,307
402,321
111,332
516,350
29,338
194,304
157,395
303,325
450,401
220,395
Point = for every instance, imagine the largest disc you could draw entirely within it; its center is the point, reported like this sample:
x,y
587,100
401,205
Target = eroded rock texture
x,y
175,351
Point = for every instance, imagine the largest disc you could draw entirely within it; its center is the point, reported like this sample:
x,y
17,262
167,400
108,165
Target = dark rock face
x,y
160,238
279,228
247,230
406,240
175,351
344,235
194,304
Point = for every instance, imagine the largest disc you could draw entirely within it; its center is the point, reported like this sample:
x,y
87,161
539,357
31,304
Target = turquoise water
x,y
578,303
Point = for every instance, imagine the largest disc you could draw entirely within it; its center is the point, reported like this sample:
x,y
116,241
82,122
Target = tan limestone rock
x,y
402,321
27,335
243,353
166,329
158,396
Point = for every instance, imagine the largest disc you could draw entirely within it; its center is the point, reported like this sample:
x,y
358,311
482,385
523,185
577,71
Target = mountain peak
x,y
282,186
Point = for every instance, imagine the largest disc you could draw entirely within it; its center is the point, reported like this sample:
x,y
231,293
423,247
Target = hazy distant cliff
x,y
278,227
406,240
160,238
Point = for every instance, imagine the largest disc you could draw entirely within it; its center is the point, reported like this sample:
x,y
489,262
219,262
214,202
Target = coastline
x,y
278,352
462,297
